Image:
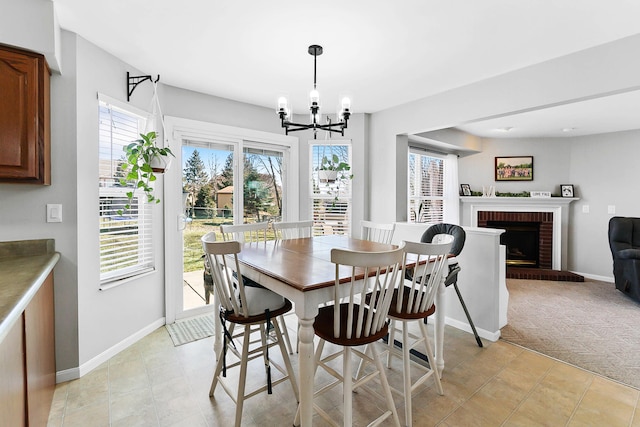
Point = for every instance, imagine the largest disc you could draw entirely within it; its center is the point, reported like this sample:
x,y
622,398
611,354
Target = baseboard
x,y
85,368
608,279
483,333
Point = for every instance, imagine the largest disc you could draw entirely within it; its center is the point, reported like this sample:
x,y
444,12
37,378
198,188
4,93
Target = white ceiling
x,y
378,52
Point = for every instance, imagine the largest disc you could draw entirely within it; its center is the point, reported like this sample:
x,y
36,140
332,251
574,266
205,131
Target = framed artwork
x,y
465,189
514,168
566,190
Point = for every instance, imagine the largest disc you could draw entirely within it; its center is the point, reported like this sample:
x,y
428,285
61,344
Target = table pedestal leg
x,y
438,334
306,368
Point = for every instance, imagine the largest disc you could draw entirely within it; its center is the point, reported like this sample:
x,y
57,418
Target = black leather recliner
x,y
624,241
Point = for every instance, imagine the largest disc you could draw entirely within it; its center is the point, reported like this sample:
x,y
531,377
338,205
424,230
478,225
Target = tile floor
x,y
153,383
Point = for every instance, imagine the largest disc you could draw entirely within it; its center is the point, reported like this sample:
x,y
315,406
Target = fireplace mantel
x,y
559,206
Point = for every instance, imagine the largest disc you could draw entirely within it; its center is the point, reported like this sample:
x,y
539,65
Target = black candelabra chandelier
x,y
285,114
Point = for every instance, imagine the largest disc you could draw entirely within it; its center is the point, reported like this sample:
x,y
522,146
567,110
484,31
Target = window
x,y
126,244
426,187
331,195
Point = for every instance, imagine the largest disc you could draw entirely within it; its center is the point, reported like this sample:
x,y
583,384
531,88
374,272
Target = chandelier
x,y
314,106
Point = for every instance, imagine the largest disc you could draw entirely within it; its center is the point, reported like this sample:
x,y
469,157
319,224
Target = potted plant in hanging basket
x,y
330,167
144,159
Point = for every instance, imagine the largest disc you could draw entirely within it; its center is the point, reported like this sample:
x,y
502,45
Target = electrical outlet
x,y
585,208
611,209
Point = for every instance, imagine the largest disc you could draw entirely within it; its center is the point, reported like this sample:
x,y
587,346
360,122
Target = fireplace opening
x,y
521,240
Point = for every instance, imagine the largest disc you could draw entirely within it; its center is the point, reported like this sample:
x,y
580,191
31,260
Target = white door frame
x,y
177,129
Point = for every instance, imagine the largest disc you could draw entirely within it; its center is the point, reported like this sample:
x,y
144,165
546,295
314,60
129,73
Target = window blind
x,y
426,187
126,240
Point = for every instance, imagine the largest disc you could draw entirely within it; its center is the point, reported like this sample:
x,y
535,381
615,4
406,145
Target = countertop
x,y
24,265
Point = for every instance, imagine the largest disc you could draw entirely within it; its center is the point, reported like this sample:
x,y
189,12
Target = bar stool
x,y
252,310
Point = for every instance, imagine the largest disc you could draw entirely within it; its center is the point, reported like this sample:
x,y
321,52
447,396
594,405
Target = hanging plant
x,y
143,160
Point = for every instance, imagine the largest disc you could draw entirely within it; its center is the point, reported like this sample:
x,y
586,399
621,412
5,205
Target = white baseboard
x,y
483,333
75,373
596,277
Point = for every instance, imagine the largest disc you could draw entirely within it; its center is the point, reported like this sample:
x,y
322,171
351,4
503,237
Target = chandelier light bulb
x,y
282,103
346,103
314,97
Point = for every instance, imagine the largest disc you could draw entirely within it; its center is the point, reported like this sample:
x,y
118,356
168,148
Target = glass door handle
x,y
182,222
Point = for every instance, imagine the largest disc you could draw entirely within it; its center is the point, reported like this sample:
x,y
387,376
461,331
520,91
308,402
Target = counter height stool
x,y
252,310
253,233
348,323
414,302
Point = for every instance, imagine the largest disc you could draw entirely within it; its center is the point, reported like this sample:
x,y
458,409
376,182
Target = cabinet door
x,y
12,378
40,354
24,117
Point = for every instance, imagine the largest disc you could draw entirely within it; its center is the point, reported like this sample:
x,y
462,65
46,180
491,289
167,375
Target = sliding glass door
x,y
221,180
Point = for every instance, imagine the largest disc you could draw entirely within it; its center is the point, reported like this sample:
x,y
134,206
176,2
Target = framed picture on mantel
x,y
514,168
566,190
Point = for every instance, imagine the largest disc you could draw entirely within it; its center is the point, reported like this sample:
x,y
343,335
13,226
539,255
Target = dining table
x,y
301,271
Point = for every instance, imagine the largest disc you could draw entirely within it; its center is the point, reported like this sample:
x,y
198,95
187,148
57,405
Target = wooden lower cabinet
x,y
40,354
12,378
27,364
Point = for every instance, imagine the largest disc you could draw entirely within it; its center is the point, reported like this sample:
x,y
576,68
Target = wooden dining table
x,y
301,271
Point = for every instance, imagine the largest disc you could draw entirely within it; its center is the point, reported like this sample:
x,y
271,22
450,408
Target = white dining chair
x,y
377,232
293,229
252,311
253,233
350,323
285,230
426,266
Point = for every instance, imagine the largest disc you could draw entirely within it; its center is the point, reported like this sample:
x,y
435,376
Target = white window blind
x,y
331,201
126,240
426,187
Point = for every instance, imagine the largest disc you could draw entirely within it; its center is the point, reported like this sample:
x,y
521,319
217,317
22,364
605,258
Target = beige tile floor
x,y
153,383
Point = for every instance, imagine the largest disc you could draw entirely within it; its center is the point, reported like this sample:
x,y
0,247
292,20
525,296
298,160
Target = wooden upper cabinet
x,y
25,121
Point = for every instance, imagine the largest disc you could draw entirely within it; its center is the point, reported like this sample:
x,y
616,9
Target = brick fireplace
x,y
540,224
552,214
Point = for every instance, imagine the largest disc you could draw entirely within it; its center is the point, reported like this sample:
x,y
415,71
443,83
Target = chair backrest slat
x,y
245,233
373,277
426,264
377,232
293,229
230,290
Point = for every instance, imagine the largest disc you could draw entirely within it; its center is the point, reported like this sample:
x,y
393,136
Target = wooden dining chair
x,y
253,233
252,311
377,232
349,323
293,229
285,230
426,264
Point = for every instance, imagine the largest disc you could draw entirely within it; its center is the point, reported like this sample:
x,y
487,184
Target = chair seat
x,y
258,318
404,312
323,327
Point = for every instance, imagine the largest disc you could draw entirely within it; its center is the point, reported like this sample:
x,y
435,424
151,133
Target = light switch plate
x,y
54,213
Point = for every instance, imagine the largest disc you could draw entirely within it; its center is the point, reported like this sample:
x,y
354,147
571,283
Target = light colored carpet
x,y
587,324
194,328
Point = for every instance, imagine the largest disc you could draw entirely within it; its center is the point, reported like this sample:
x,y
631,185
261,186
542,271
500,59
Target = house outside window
x,y
126,240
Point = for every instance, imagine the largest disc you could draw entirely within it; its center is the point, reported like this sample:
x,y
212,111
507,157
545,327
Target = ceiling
x,y
379,53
